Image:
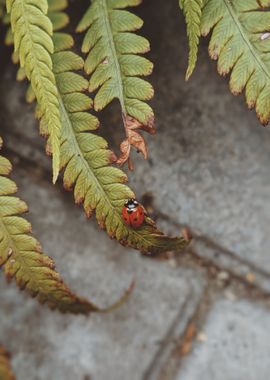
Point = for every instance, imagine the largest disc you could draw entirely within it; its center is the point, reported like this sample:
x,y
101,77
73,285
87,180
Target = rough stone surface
x,y
47,345
237,345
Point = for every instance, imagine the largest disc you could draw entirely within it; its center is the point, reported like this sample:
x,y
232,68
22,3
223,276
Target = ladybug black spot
x,y
136,219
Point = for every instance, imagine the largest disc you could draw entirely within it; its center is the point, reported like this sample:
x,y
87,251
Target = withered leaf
x,y
134,139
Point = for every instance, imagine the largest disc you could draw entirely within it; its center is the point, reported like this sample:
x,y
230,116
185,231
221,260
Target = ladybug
x,y
133,213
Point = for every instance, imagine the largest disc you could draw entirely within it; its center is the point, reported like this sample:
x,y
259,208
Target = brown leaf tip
x,y
134,138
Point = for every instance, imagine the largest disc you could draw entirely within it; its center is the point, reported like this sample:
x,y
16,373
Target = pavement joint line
x,y
214,246
216,254
173,341
261,285
167,363
261,294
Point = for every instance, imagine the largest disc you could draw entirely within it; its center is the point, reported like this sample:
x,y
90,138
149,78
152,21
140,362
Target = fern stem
x,y
118,73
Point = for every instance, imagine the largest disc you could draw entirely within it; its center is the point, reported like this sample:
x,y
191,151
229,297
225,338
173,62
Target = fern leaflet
x,y
32,31
114,65
5,366
193,12
240,43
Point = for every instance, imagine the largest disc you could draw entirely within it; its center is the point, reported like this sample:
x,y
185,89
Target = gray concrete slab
x,y
119,345
237,345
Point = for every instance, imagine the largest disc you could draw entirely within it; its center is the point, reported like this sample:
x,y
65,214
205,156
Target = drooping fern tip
x,y
192,10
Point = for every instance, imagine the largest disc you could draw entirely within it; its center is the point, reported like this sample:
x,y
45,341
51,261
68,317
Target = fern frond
x,y
32,31
5,366
115,66
22,259
87,164
240,44
192,10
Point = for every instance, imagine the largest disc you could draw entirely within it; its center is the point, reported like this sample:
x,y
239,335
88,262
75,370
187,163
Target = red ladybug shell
x,y
133,213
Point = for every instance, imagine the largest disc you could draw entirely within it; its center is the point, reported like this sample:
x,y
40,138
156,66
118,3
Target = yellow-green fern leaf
x,y
114,65
192,10
5,366
21,256
240,43
32,31
87,163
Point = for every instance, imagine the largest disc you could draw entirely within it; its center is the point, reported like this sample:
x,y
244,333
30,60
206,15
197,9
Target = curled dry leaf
x,y
134,139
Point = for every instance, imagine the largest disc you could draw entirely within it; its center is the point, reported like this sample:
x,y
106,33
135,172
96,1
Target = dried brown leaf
x,y
134,139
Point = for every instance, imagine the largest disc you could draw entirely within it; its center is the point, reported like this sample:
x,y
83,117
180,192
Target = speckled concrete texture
x,y
237,345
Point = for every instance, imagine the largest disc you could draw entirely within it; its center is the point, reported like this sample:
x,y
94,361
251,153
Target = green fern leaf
x,y
193,13
87,164
115,66
5,366
32,31
240,42
21,256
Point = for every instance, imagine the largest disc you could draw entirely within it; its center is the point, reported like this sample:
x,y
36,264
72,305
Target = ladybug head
x,y
131,204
